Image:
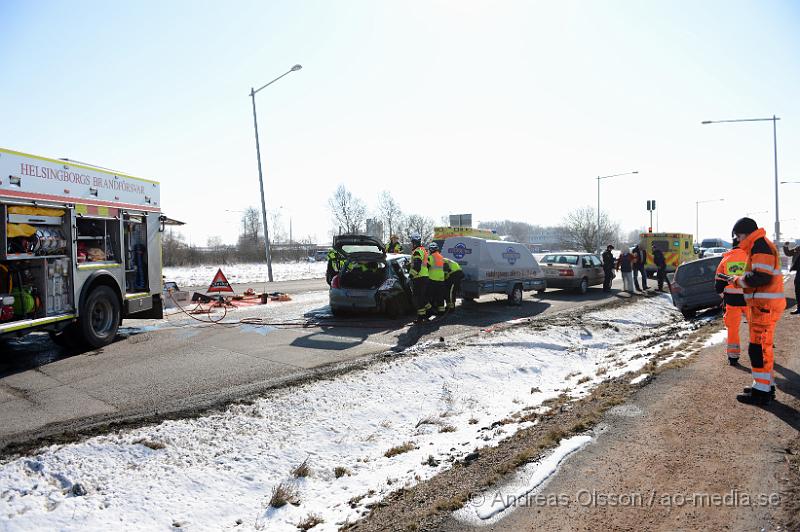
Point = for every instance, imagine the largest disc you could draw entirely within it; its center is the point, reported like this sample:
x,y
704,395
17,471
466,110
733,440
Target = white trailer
x,y
80,248
494,266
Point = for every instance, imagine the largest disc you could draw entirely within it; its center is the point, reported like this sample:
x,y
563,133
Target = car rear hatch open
x,y
360,248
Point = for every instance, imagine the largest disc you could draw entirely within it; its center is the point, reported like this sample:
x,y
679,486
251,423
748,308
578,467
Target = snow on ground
x,y
486,508
187,276
437,405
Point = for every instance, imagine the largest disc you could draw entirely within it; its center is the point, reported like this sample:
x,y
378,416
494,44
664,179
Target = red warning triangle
x,y
220,283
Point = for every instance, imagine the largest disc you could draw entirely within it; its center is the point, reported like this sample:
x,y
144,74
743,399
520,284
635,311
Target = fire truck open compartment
x,y
34,262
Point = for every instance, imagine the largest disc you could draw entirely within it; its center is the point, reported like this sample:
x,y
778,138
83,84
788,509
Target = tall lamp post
x,y
600,177
774,121
260,175
697,216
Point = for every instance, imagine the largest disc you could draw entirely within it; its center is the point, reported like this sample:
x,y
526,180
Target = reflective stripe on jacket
x,y
763,278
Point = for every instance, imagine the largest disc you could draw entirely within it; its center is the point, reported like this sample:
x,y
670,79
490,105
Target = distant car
x,y
577,271
382,285
692,286
711,243
321,255
714,252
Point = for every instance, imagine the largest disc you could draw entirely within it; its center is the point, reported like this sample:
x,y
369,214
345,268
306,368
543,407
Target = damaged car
x,y
369,279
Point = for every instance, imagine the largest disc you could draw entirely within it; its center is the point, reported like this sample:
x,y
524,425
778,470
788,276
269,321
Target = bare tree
x,y
415,223
582,232
389,211
348,211
251,224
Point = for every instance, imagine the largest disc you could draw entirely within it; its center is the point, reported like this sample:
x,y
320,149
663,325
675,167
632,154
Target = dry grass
x,y
430,420
602,370
310,522
302,471
284,494
340,471
400,449
447,428
584,379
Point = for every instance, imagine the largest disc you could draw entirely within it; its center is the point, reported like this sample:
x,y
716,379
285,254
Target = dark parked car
x,y
692,286
369,281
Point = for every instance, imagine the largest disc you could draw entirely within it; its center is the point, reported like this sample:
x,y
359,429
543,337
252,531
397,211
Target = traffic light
x,y
651,205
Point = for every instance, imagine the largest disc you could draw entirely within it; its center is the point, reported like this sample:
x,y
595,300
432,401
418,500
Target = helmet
x,y
415,237
745,226
433,246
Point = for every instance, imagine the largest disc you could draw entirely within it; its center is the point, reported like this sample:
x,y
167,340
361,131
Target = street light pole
x,y
697,217
597,232
774,120
260,174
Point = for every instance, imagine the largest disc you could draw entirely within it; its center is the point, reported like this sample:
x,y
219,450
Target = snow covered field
x,y
363,434
187,276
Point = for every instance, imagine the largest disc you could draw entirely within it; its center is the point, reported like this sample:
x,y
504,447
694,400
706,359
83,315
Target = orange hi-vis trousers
x,y
733,321
763,319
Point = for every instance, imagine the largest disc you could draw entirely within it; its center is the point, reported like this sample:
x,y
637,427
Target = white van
x,y
494,267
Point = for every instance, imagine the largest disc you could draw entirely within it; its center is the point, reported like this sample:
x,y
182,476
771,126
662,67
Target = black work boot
x,y
748,389
733,361
754,397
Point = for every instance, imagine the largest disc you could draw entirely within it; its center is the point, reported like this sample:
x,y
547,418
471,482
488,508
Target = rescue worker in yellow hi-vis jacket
x,y
453,275
762,282
733,263
418,271
436,282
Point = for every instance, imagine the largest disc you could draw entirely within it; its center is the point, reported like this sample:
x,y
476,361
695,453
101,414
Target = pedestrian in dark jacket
x,y
625,265
795,267
661,263
639,258
608,268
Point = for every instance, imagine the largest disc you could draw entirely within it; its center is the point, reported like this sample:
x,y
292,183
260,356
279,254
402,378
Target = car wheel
x,y
689,314
337,312
584,286
540,291
515,297
99,318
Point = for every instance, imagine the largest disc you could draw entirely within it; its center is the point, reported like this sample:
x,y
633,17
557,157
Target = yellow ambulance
x,y
677,248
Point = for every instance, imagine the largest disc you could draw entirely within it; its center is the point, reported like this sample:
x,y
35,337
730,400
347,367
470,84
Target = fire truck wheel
x,y
100,317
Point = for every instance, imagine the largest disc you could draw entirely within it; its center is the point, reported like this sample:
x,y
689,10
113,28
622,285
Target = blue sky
x,y
503,109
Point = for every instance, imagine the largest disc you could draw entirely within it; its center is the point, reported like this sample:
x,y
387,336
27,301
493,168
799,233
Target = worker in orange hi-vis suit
x,y
762,282
733,263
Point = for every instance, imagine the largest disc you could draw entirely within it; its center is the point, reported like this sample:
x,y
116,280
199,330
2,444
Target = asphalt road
x,y
180,365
